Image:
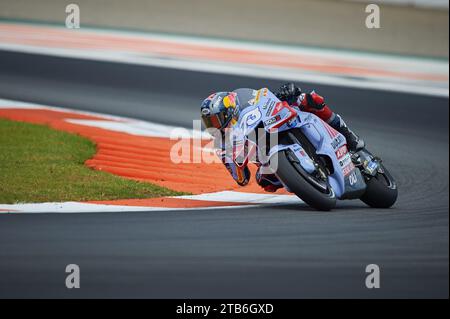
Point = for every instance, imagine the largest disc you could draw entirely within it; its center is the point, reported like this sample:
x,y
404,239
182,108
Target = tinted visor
x,y
218,121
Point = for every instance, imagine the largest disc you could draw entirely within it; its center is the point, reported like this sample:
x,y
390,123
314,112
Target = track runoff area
x,y
142,151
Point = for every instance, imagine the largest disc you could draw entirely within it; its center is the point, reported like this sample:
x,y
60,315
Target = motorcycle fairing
x,y
346,180
305,161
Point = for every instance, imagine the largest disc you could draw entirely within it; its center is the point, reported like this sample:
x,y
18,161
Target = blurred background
x,y
413,27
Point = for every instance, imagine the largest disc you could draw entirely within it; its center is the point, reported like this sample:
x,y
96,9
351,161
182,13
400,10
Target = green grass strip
x,y
39,164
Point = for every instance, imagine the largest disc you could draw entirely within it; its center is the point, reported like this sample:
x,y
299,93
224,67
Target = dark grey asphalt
x,y
288,251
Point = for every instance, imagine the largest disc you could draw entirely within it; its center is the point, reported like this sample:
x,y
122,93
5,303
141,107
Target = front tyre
x,y
381,190
301,184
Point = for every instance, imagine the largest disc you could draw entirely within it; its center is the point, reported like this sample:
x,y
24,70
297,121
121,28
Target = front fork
x,y
368,164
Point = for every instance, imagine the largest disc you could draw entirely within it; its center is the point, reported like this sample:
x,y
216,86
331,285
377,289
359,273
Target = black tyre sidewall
x,y
378,195
297,184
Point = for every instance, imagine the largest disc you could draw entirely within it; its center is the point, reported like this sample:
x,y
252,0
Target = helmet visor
x,y
218,121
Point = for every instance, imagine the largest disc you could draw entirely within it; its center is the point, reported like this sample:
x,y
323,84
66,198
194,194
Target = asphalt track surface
x,y
277,252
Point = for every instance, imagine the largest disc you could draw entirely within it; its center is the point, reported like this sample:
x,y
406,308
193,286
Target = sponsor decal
x,y
341,152
268,104
253,100
279,106
348,169
253,117
258,96
217,103
338,141
272,120
292,122
230,100
345,161
270,108
373,165
206,111
206,103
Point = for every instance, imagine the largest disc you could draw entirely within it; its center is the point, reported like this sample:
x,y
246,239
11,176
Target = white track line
x,y
313,56
114,123
87,208
244,70
241,197
249,199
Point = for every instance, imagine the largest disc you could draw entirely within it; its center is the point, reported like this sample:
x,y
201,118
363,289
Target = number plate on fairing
x,y
355,185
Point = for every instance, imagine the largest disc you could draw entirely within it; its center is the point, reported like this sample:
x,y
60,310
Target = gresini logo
x,y
337,141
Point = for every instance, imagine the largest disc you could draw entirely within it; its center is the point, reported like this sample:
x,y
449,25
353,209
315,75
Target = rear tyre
x,y
300,183
381,191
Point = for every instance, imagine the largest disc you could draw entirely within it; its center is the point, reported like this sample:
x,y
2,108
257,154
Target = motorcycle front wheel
x,y
314,192
381,190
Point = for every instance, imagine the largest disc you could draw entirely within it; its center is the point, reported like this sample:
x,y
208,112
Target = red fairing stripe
x,y
278,108
341,152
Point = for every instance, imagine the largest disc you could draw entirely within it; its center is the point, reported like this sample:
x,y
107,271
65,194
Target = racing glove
x,y
289,92
240,175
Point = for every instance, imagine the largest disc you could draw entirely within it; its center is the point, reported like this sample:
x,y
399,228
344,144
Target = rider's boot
x,y
267,180
354,142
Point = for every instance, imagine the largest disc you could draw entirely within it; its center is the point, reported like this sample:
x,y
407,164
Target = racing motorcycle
x,y
309,157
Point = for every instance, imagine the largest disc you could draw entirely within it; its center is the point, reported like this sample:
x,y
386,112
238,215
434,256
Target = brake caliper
x,y
366,162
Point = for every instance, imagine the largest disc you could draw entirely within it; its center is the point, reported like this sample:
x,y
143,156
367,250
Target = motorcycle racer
x,y
221,110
